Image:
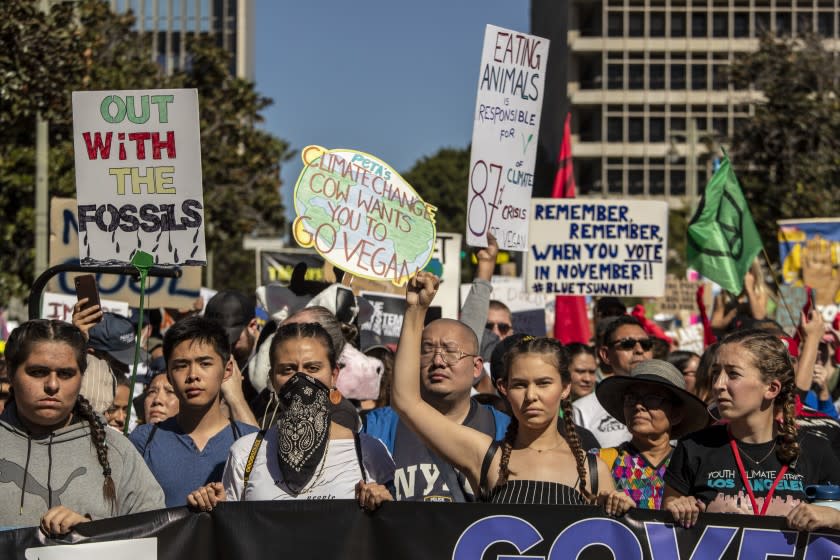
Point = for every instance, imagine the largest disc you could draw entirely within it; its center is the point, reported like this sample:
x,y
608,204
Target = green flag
x,y
722,237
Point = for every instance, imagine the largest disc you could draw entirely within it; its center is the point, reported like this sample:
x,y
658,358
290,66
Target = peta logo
x,y
660,539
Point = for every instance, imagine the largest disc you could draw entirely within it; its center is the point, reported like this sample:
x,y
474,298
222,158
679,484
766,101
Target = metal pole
x,y
691,164
42,145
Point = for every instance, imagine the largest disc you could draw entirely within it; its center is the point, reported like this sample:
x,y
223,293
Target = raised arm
x,y
812,329
461,446
474,310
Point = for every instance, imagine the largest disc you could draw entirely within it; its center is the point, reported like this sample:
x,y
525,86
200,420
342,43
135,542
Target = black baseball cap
x,y
115,335
232,310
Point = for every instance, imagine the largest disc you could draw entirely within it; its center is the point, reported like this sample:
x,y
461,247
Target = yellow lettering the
x,y
162,180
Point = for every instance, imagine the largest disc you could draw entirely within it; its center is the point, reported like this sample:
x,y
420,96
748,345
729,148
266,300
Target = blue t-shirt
x,y
176,462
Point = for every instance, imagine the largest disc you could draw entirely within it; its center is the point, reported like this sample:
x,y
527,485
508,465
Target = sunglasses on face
x,y
647,401
504,328
630,343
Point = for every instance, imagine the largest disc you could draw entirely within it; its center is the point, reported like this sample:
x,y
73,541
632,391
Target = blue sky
x,y
393,78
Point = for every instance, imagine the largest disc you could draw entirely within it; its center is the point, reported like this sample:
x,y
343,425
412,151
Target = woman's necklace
x,y
748,456
546,449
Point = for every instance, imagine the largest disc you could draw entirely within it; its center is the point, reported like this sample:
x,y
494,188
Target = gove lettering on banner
x,y
597,247
360,215
138,176
506,125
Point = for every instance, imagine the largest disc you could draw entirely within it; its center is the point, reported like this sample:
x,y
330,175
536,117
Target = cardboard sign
x,y
359,214
680,296
60,306
504,142
138,176
598,247
448,252
179,293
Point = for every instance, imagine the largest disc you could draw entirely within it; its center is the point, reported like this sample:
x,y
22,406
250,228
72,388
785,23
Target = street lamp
x,y
692,157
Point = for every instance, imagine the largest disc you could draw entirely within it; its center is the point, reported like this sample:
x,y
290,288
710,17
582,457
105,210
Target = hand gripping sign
x,y
360,215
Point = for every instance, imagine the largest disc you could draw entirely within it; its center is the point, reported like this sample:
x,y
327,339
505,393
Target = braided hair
x,y
557,355
84,410
20,345
771,358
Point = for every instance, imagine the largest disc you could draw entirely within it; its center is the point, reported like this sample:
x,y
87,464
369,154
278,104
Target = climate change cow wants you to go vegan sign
x,y
138,176
362,216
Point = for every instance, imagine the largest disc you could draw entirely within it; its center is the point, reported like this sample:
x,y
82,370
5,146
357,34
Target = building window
x,y
636,181
762,23
635,129
678,25
636,75
677,76
719,77
677,123
719,126
615,76
677,182
656,129
825,24
804,22
656,181
783,22
657,76
615,182
615,24
657,24
614,130
636,24
698,76
698,25
741,25
720,25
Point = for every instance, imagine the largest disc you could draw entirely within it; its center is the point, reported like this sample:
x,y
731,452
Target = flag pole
x,y
778,286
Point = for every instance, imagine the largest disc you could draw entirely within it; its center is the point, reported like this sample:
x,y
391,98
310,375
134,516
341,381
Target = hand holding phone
x,y
87,314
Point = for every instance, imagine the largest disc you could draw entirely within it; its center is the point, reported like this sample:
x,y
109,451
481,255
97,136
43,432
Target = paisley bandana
x,y
303,428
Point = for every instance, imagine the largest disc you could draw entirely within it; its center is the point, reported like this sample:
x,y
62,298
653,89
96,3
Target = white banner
x,y
504,142
60,306
597,247
138,176
448,251
130,549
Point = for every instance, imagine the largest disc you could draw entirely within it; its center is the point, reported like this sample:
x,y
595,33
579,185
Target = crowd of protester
x,y
467,410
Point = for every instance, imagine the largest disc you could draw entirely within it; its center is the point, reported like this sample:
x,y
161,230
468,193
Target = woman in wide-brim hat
x,y
654,405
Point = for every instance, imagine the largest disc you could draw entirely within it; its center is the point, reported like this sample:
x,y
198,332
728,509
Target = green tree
x,y
441,179
84,46
787,156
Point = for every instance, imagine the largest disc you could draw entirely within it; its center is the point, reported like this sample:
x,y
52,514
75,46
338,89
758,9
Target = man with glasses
x,y
449,363
499,319
625,344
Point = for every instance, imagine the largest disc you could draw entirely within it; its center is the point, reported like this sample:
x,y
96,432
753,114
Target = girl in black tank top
x,y
534,463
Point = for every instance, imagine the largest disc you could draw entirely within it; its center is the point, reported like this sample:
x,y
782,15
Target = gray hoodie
x,y
61,468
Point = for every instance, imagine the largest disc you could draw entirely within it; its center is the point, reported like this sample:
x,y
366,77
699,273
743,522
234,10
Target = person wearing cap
x,y
654,405
625,344
236,314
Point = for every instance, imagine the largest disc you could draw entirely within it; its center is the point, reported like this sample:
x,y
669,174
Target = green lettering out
x,y
144,107
162,102
105,109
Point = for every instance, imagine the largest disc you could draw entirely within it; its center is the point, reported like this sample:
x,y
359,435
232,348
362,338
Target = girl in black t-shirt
x,y
758,462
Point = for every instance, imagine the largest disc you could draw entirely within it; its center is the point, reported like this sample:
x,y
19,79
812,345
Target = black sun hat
x,y
610,393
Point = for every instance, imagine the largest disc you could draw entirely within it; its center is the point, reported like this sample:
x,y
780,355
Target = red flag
x,y
564,181
571,324
709,337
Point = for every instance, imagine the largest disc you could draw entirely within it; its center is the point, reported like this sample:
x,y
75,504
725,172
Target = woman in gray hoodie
x,y
59,464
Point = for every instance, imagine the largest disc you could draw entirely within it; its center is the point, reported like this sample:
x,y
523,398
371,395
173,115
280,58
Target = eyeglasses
x,y
647,401
504,328
450,354
630,343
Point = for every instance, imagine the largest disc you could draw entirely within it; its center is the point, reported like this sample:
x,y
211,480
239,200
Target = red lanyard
x,y
746,480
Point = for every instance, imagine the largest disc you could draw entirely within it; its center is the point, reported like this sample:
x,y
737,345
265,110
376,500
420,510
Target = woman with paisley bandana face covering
x,y
303,454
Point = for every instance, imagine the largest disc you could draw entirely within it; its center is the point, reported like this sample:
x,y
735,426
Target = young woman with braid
x,y
756,462
59,464
534,463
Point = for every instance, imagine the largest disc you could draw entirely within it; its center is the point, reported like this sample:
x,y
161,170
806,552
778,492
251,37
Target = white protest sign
x,y
597,247
504,142
127,549
60,306
510,290
138,176
179,293
448,252
360,215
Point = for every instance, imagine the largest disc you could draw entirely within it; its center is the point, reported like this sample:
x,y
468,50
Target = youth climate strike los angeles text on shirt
x,y
704,466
